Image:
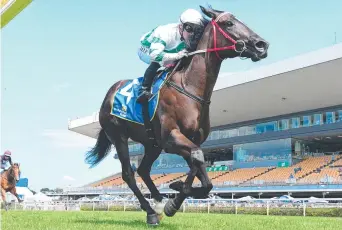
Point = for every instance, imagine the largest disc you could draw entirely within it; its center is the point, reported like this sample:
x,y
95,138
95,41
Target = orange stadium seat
x,y
281,175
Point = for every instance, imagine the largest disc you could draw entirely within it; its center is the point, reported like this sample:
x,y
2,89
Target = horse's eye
x,y
229,23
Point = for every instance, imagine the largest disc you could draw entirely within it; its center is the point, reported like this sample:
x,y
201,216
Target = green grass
x,y
13,220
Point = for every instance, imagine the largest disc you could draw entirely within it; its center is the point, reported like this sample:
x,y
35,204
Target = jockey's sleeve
x,y
158,54
158,44
10,160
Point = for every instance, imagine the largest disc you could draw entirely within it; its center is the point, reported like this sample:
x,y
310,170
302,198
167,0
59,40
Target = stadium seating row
x,y
312,170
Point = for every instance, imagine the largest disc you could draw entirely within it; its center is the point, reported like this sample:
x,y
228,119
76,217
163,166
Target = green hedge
x,y
324,212
286,212
89,207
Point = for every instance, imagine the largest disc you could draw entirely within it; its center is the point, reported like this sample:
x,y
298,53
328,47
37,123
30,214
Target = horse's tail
x,y
99,151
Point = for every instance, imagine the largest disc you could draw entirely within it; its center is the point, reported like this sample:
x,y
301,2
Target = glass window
x,y
165,161
330,117
339,115
224,134
210,136
233,133
295,122
250,130
260,128
279,150
318,119
215,135
306,121
242,131
266,127
271,126
283,124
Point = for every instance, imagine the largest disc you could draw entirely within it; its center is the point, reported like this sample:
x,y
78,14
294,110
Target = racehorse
x,y
181,122
9,179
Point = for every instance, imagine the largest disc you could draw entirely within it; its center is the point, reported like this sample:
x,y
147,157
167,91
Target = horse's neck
x,y
201,74
10,173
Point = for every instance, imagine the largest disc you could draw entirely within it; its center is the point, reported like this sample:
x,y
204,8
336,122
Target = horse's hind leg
x,y
144,169
121,145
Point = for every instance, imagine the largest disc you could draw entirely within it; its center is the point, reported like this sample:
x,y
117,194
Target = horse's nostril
x,y
261,45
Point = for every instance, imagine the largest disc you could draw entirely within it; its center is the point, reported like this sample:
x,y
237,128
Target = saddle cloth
x,y
125,105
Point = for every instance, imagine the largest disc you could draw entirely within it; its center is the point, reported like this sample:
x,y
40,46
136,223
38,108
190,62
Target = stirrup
x,y
144,96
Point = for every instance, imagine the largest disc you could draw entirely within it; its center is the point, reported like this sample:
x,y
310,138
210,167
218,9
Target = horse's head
x,y
232,38
15,171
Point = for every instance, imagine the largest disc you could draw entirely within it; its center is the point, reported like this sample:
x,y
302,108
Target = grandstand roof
x,y
306,82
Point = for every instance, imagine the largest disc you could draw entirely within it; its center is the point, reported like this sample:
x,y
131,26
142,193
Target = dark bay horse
x,y
9,179
181,123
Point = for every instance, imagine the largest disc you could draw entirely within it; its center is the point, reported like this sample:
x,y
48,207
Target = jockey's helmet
x,y
192,16
7,153
192,26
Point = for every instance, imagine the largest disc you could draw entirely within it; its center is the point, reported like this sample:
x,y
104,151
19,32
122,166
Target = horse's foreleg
x,y
3,196
198,192
184,147
207,186
14,192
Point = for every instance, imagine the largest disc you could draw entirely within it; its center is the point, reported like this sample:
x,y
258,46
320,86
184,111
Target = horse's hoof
x,y
152,219
177,185
170,208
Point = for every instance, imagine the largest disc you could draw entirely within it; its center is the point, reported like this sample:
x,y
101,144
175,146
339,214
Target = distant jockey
x,y
168,43
6,160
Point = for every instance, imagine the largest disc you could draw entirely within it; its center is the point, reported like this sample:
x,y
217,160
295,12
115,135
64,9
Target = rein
x,y
215,49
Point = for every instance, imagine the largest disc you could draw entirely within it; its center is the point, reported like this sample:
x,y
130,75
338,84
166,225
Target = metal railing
x,y
289,207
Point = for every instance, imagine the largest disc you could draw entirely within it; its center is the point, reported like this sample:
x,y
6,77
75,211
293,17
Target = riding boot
x,y
145,90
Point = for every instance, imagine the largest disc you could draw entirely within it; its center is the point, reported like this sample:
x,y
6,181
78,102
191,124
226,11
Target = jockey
x,y
5,159
168,43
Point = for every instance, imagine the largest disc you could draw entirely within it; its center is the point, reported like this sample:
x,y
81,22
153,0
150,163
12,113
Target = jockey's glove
x,y
175,56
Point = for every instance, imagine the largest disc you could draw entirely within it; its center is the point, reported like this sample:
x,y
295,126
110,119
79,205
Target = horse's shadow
x,y
137,224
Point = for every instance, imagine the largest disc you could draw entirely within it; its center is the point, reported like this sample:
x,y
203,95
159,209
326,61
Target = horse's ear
x,y
208,12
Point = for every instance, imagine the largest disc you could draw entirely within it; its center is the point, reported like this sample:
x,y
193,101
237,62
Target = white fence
x,y
297,207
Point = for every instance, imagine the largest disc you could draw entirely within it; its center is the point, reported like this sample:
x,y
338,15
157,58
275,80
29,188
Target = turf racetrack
x,y
14,220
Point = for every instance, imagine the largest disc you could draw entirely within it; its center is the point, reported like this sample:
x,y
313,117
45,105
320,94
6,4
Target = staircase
x,y
174,179
225,173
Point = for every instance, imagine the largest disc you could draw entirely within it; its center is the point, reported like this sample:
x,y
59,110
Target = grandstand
x,y
279,130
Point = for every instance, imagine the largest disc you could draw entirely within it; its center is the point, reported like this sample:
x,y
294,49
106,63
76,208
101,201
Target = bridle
x,y
234,47
216,50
